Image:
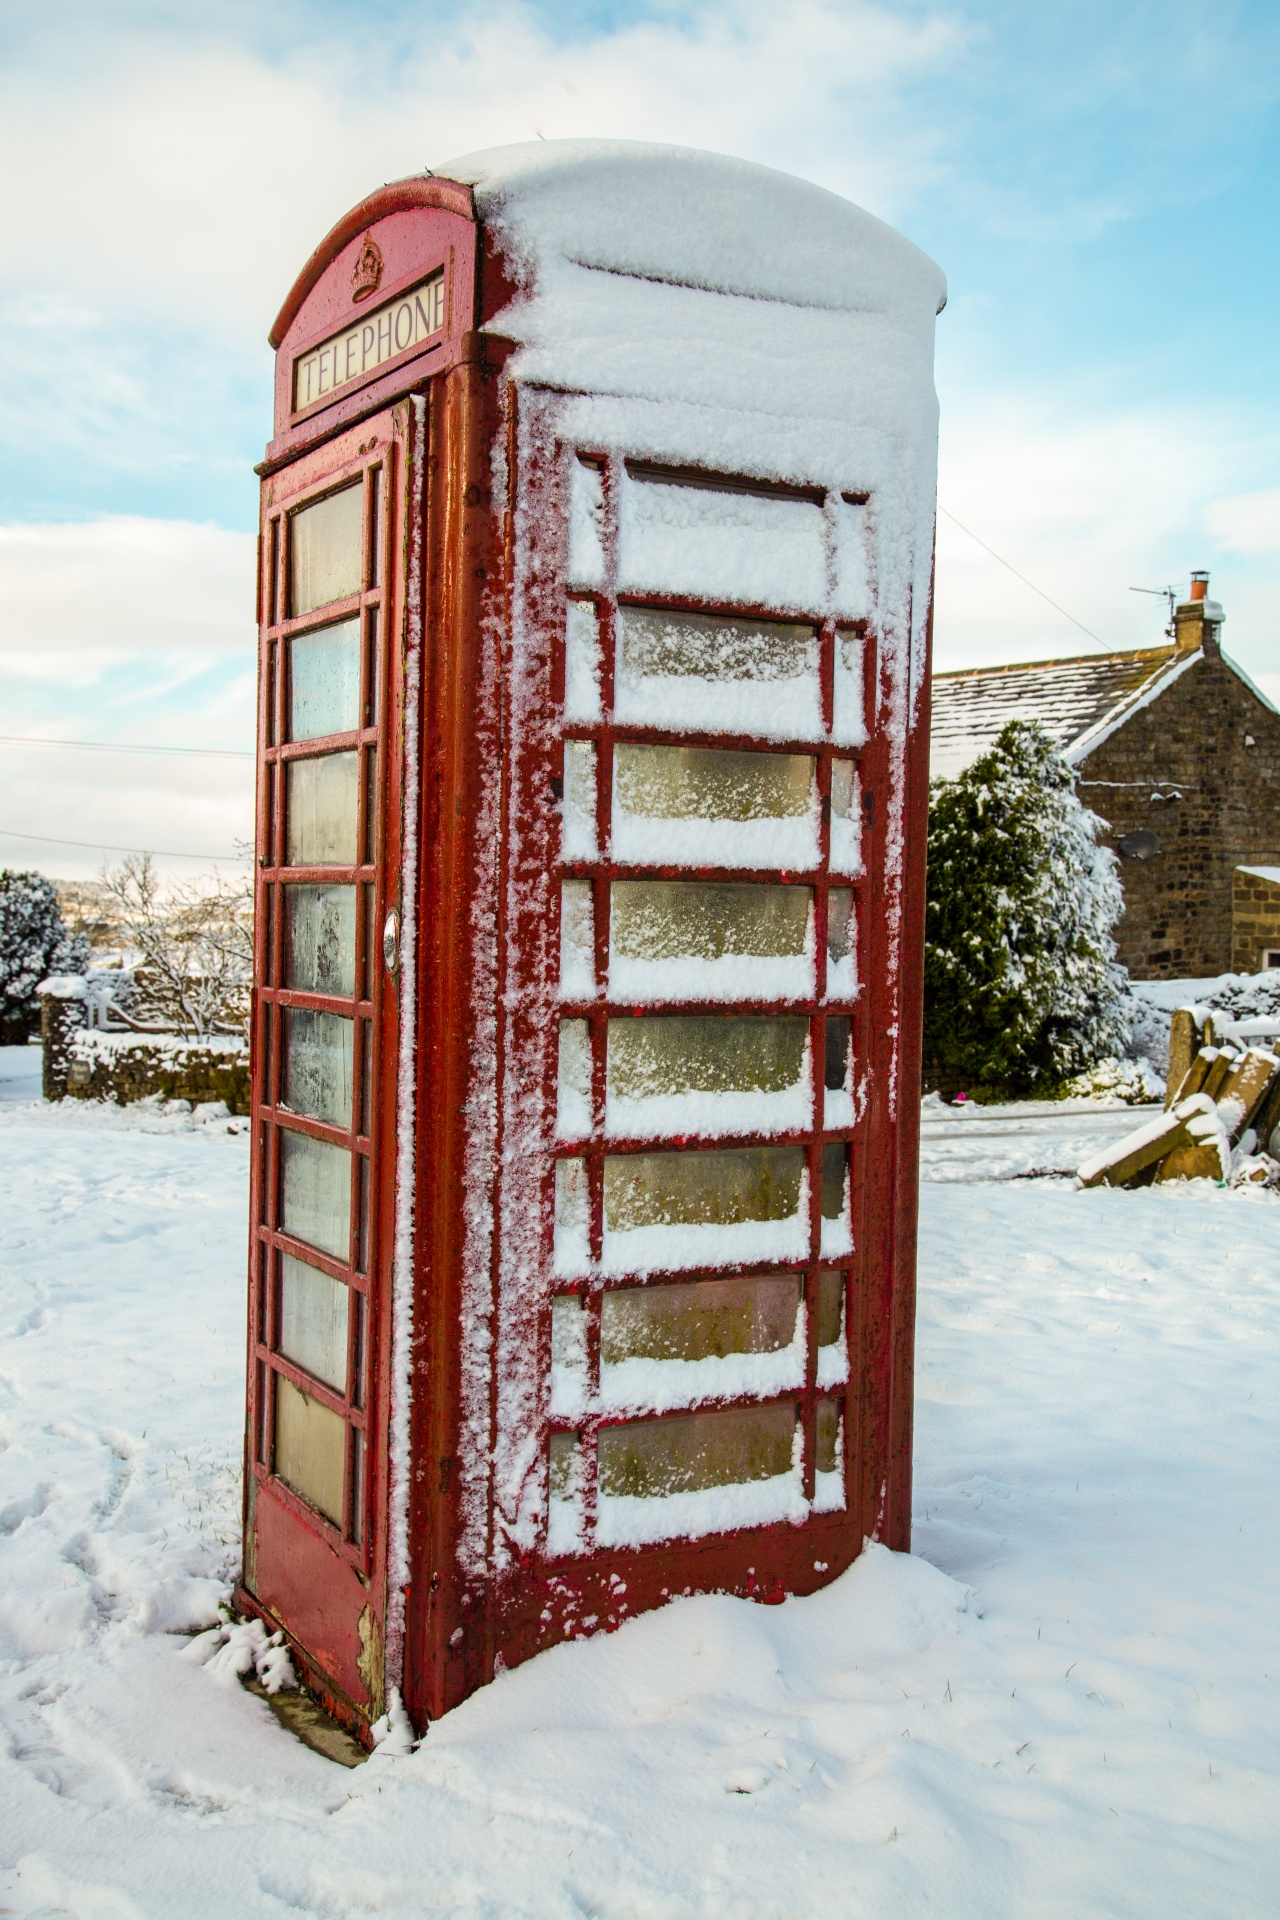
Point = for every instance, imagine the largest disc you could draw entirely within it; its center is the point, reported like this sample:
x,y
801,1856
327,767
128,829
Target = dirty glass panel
x,y
324,681
577,941
706,671
665,1054
573,1080
317,1065
699,1320
568,1354
691,783
324,550
842,975
700,806
321,811
826,1452
564,1490
835,1169
578,822
849,725
839,1035
830,1307
320,939
651,1458
718,1187
582,699
586,523
683,939
572,1217
846,818
313,1321
310,1449
315,1193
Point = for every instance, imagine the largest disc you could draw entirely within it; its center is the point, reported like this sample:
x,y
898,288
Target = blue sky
x,y
1100,185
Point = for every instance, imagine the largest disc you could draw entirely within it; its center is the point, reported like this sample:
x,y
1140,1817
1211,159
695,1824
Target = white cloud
x,y
124,630
1087,507
82,599
1247,522
189,179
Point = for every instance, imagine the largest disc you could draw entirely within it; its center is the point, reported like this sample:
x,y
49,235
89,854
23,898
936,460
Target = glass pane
x,y
369,851
716,1188
691,939
315,1193
357,1485
320,939
564,1476
846,818
830,1307
582,662
578,825
577,941
701,670
586,523
324,681
324,550
700,1320
375,521
839,1034
826,1454
573,1080
317,1065
311,1446
835,1171
313,1321
651,1458
366,1077
706,807
321,801
568,1354
572,1218
849,720
706,1073
842,974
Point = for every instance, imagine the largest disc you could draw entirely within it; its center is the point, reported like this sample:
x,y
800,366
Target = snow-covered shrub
x,y
1242,995
33,944
1021,986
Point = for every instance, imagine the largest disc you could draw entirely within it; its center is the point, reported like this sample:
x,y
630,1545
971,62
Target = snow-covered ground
x,y
1067,1705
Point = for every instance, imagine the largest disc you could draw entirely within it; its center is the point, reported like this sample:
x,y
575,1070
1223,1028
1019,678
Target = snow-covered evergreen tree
x,y
33,944
1021,986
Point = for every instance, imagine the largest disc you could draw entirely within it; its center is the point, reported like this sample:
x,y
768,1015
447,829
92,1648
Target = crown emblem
x,y
367,271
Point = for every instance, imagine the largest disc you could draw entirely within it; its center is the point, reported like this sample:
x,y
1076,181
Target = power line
x,y
98,846
1022,576
113,746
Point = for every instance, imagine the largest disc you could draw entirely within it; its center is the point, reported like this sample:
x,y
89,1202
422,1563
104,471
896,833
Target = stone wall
x,y
1200,768
125,1067
1255,919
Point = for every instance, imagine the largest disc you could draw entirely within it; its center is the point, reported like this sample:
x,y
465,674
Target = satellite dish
x,y
1142,845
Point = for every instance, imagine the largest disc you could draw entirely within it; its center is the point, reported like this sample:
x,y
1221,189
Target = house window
x,y
1270,958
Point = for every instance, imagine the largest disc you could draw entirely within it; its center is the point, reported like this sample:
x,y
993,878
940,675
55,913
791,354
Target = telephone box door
x,y
325,1049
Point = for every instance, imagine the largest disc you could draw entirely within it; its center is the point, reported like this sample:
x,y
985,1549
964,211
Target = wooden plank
x,y
1246,1086
1185,1041
1135,1152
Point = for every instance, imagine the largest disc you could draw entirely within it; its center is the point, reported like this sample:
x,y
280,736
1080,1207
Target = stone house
x,y
1178,751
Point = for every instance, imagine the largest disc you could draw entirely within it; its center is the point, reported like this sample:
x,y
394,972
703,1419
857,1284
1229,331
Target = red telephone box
x,y
593,736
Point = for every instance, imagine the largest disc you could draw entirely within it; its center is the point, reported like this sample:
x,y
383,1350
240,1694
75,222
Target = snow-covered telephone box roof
x,y
597,543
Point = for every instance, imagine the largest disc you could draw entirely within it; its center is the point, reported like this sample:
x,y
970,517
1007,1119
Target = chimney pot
x,y
1199,585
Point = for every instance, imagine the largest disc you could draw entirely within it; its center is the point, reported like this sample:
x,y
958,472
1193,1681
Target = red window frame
x,y
593,1147
372,605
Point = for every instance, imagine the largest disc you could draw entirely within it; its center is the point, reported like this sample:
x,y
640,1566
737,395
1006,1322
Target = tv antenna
x,y
1162,593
